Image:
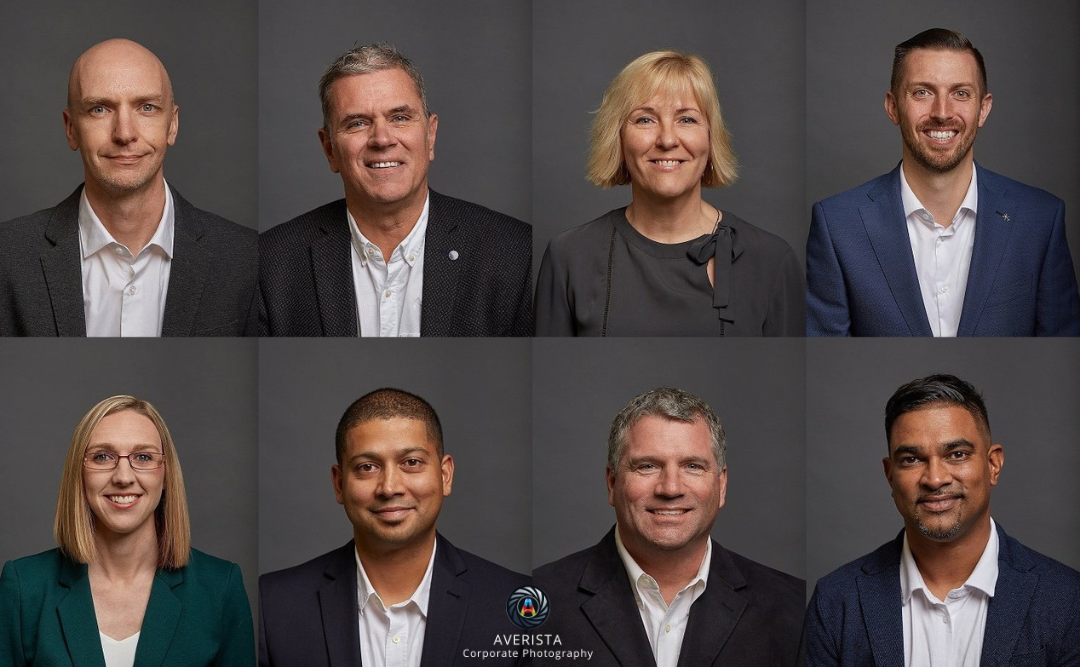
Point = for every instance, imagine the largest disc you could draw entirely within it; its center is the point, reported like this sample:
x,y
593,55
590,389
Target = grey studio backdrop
x,y
1033,70
474,56
209,49
480,390
1031,389
205,391
755,386
757,54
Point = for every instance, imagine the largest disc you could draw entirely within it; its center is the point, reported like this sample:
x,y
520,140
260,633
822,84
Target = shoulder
x,y
568,569
479,218
27,232
1007,187
306,575
45,566
213,227
777,586
842,582
1052,573
304,228
760,241
210,570
501,580
862,193
591,238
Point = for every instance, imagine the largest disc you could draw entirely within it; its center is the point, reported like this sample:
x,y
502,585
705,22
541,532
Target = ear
x,y
174,125
996,457
723,487
69,130
891,109
433,127
447,474
887,465
610,475
984,108
328,150
336,476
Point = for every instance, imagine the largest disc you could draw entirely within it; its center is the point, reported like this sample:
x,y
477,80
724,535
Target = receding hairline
x,y
120,45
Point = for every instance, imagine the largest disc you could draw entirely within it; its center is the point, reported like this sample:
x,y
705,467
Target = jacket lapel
x,y
340,613
612,610
62,267
162,617
883,220
77,618
331,266
714,615
188,272
445,252
879,599
994,223
1015,587
447,604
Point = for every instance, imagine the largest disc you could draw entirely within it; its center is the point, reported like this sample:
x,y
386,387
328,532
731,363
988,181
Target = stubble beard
x,y
936,162
940,534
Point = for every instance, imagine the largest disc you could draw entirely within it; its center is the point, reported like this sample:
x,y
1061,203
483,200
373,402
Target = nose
x,y
669,484
667,138
389,482
124,126
123,472
936,474
381,136
941,109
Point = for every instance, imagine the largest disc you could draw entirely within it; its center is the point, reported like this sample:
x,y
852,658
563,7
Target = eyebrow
x,y
96,101
916,450
135,448
401,453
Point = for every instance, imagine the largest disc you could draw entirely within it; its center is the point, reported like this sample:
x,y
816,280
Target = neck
x,y
125,557
673,569
396,573
131,218
386,225
945,566
940,193
671,220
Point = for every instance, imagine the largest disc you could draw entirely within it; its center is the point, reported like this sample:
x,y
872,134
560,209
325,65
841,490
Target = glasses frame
x,y
88,466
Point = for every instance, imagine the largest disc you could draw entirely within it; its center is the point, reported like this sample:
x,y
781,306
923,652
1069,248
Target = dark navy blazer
x,y
855,616
860,271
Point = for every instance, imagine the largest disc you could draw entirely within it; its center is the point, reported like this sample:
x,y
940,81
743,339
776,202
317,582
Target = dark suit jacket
x,y
860,272
308,614
212,277
855,616
306,283
198,615
748,615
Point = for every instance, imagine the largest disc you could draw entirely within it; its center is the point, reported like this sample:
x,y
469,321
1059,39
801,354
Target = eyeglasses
x,y
102,460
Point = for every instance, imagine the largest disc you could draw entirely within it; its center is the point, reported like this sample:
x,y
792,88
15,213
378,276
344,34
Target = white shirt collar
x,y
912,205
639,577
411,247
93,236
365,591
983,577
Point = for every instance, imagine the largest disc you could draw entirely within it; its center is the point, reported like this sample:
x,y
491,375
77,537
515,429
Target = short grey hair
x,y
669,403
364,60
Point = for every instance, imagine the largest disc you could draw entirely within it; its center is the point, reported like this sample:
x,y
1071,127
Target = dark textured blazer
x,y
308,614
855,616
860,271
477,273
197,616
212,277
748,615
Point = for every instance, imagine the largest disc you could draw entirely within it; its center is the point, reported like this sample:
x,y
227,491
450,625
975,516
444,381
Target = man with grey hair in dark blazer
x,y
125,254
392,258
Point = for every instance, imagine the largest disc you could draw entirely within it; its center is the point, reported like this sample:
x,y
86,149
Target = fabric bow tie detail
x,y
717,245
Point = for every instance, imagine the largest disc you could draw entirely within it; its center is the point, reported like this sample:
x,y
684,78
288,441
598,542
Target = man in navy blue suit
x,y
940,246
953,588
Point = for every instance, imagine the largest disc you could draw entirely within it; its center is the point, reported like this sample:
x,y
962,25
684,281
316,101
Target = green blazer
x,y
198,615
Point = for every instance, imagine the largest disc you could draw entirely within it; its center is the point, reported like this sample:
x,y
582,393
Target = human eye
x,y
919,93
413,463
365,468
355,124
97,110
101,457
688,120
959,455
144,457
147,108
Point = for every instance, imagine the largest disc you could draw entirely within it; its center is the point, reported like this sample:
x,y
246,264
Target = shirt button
x,y
371,252
387,293
119,250
396,639
412,258
667,628
944,289
132,290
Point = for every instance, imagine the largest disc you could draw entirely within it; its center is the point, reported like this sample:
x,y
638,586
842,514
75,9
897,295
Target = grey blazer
x,y
212,279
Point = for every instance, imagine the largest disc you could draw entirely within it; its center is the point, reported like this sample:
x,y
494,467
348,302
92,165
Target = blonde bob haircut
x,y
666,72
74,525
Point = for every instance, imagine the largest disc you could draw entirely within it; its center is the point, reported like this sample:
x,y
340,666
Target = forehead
x,y
125,427
946,66
119,72
670,91
659,437
382,89
380,437
935,425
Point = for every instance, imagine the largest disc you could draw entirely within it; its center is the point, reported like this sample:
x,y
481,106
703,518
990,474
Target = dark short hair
x,y
674,405
389,403
932,391
935,38
364,60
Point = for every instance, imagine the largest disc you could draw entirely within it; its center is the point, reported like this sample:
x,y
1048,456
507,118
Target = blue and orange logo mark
x,y
527,607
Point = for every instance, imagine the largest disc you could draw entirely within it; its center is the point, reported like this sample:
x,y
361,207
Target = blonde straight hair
x,y
74,524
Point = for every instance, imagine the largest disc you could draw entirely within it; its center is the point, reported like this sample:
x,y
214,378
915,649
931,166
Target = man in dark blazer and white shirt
x,y
953,589
125,254
940,246
398,593
392,258
657,591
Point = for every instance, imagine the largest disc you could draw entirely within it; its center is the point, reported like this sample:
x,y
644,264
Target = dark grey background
x,y
1031,389
209,49
757,53
480,390
755,386
1033,70
204,389
474,56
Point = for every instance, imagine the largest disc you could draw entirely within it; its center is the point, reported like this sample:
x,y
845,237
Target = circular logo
x,y
527,607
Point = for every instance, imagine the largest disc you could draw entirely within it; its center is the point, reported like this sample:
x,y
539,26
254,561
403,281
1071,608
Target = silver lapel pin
x,y
454,254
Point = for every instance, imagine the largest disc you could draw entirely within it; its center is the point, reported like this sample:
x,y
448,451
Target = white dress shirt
x,y
392,636
124,294
119,652
942,255
947,633
664,624
388,294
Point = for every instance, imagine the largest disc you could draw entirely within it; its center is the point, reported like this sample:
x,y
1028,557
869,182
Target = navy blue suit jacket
x,y
855,616
308,614
860,272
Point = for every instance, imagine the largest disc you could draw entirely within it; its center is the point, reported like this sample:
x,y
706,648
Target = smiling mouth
x,y
124,500
668,512
941,135
938,504
383,165
667,163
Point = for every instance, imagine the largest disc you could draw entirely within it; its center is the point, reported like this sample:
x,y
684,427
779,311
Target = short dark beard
x,y
940,535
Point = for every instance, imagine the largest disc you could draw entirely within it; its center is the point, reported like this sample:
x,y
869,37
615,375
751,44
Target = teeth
x,y
667,163
384,165
942,134
123,500
669,512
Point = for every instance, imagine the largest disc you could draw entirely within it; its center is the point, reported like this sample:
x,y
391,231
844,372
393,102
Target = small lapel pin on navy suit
x,y
1004,216
454,253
